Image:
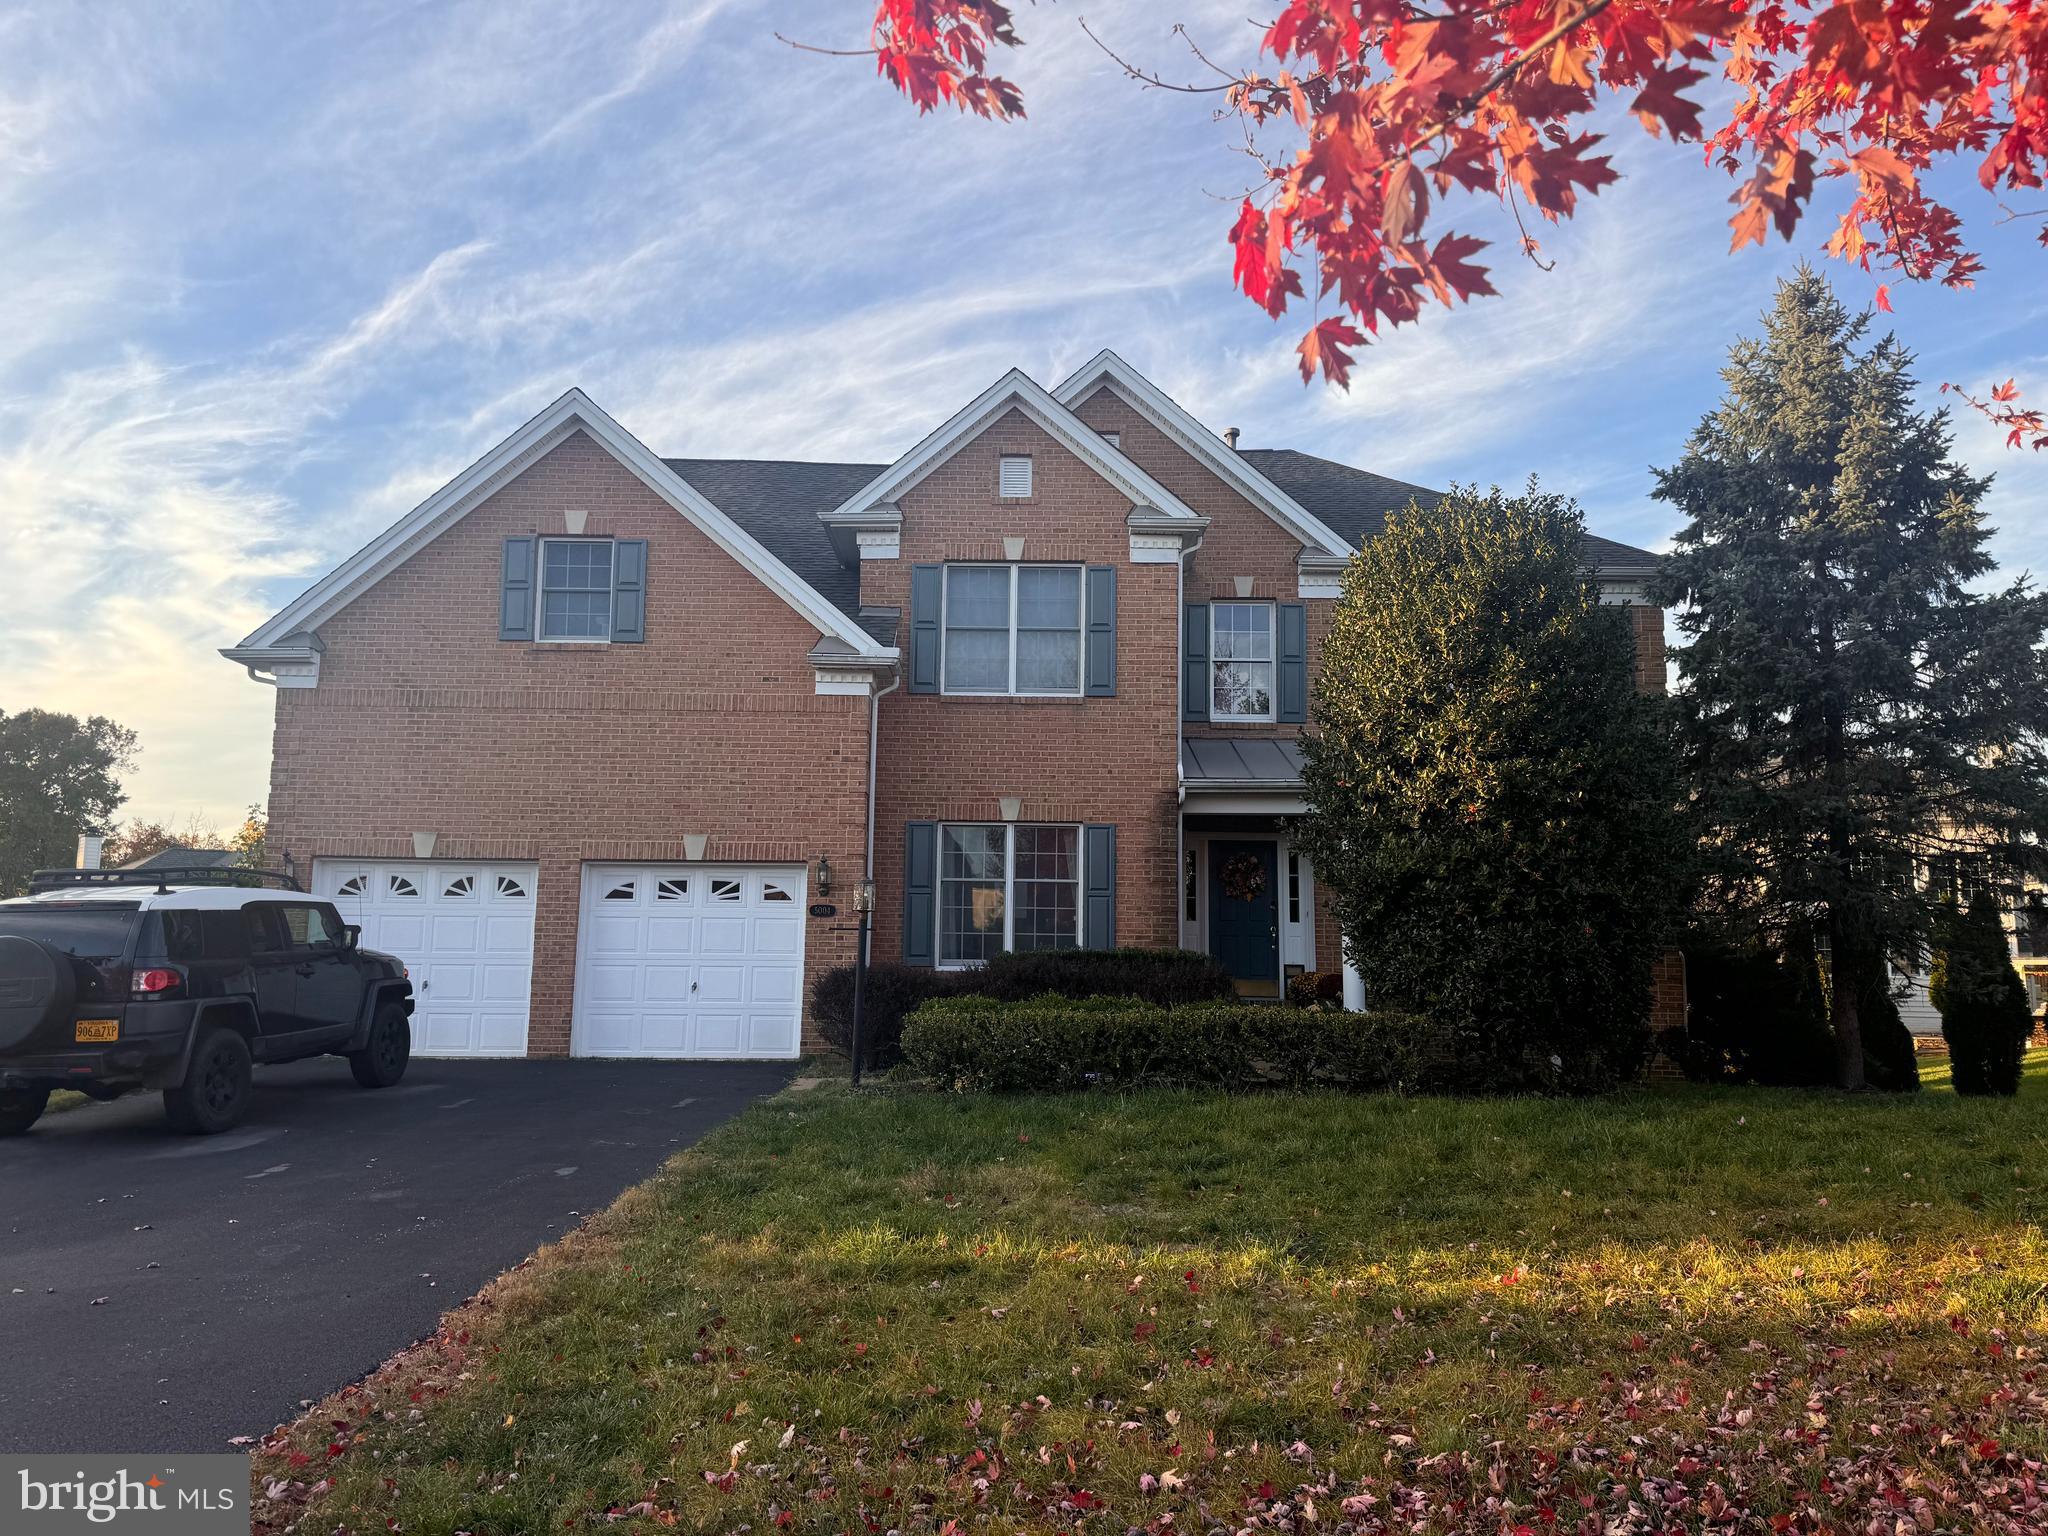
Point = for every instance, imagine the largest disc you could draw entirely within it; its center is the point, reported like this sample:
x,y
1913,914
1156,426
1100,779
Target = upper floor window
x,y
1005,886
1012,629
576,589
1241,661
1013,477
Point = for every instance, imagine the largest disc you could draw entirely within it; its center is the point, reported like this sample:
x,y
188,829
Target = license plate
x,y
92,1031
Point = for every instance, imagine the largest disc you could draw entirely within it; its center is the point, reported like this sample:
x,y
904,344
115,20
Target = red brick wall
x,y
1075,760
425,721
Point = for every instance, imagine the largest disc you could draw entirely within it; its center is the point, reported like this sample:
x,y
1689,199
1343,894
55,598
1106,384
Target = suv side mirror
x,y
351,935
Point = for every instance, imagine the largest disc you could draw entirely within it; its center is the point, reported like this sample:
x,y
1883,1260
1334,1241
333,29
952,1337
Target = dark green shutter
x,y
925,587
920,892
1101,631
515,591
1098,859
629,590
1194,662
1293,664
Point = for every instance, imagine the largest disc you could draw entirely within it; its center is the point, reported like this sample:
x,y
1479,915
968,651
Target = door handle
x,y
303,970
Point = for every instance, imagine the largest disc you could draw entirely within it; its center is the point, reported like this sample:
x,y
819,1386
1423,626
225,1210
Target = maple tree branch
x,y
830,53
1153,82
1507,71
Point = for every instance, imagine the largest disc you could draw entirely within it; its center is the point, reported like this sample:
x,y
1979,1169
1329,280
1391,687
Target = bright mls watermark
x,y
166,1495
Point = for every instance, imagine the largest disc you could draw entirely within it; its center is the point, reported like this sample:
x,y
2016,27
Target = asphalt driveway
x,y
165,1293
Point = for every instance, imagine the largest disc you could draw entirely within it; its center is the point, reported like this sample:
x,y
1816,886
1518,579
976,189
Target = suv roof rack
x,y
163,877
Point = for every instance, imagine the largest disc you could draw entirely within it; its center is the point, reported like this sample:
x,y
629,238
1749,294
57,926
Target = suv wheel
x,y
381,1061
21,1108
215,1093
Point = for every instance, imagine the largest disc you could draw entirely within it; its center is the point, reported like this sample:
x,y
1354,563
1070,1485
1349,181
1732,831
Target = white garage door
x,y
690,960
464,931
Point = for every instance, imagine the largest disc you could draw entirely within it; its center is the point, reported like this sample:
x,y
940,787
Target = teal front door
x,y
1244,914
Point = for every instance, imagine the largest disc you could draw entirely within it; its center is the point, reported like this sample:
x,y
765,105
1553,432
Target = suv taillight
x,y
155,982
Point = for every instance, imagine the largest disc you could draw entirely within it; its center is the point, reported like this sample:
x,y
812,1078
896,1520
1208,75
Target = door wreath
x,y
1243,877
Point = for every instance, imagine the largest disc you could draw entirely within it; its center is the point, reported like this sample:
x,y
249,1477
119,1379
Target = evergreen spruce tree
x,y
1492,803
1853,701
1981,999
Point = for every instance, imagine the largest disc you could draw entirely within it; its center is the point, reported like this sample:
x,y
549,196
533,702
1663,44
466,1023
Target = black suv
x,y
180,980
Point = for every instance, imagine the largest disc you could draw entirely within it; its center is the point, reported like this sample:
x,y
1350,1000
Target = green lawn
x,y
915,1312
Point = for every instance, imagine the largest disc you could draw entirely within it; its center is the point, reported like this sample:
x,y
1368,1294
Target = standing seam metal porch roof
x,y
1239,762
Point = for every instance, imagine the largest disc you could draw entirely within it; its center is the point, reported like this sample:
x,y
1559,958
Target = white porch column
x,y
1354,988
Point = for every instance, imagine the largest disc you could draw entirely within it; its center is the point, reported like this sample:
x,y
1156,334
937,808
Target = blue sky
x,y
270,274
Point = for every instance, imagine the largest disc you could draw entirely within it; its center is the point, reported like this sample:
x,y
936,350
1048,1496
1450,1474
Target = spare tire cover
x,y
37,988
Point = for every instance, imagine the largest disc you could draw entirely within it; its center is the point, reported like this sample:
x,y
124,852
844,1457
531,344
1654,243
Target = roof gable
x,y
573,412
1107,370
1015,390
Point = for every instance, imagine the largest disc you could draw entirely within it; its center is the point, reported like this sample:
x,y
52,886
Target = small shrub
x,y
1757,1014
1051,1044
1316,989
1170,978
892,992
1983,1002
1890,1063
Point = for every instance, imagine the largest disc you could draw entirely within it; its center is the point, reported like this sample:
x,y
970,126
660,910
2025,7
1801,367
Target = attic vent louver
x,y
1013,478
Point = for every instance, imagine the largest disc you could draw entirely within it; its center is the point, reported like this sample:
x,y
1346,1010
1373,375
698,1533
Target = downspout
x,y
866,900
1180,730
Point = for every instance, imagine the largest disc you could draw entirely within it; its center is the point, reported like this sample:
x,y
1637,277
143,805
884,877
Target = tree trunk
x,y
1843,1016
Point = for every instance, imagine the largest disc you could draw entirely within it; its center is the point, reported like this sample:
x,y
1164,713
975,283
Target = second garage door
x,y
690,960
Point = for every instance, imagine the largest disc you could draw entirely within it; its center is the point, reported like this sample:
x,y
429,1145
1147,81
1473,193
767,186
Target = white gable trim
x,y
1209,450
1014,390
573,412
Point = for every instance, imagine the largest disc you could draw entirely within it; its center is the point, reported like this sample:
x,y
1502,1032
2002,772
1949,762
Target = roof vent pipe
x,y
1230,437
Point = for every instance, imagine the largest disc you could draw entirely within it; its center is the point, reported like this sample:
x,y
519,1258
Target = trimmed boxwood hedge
x,y
1053,1043
1167,978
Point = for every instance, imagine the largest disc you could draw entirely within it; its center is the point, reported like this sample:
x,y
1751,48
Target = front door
x,y
1244,914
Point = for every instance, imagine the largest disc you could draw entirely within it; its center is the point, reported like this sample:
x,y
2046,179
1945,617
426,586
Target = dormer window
x,y
1013,477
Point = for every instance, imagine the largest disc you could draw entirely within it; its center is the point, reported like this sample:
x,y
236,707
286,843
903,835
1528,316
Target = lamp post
x,y
864,904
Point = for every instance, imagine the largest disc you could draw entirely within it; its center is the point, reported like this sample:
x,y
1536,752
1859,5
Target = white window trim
x,y
540,595
1272,644
1009,888
1013,691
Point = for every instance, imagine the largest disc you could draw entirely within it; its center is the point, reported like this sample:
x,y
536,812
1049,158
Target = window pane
x,y
978,660
1048,597
1244,632
1048,888
1048,661
1244,690
970,892
978,596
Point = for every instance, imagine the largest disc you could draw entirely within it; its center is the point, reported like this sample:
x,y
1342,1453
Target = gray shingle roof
x,y
1354,503
186,858
778,502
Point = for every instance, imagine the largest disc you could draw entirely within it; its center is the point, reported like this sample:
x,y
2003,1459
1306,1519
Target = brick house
x,y
603,744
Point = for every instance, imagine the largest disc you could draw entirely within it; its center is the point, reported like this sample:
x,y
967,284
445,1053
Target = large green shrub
x,y
1982,1001
1170,978
1050,1044
1493,804
1756,1014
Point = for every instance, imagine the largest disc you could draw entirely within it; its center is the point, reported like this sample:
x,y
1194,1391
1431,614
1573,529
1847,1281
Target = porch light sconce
x,y
824,875
1244,585
1013,806
423,844
573,520
693,845
291,866
1013,549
